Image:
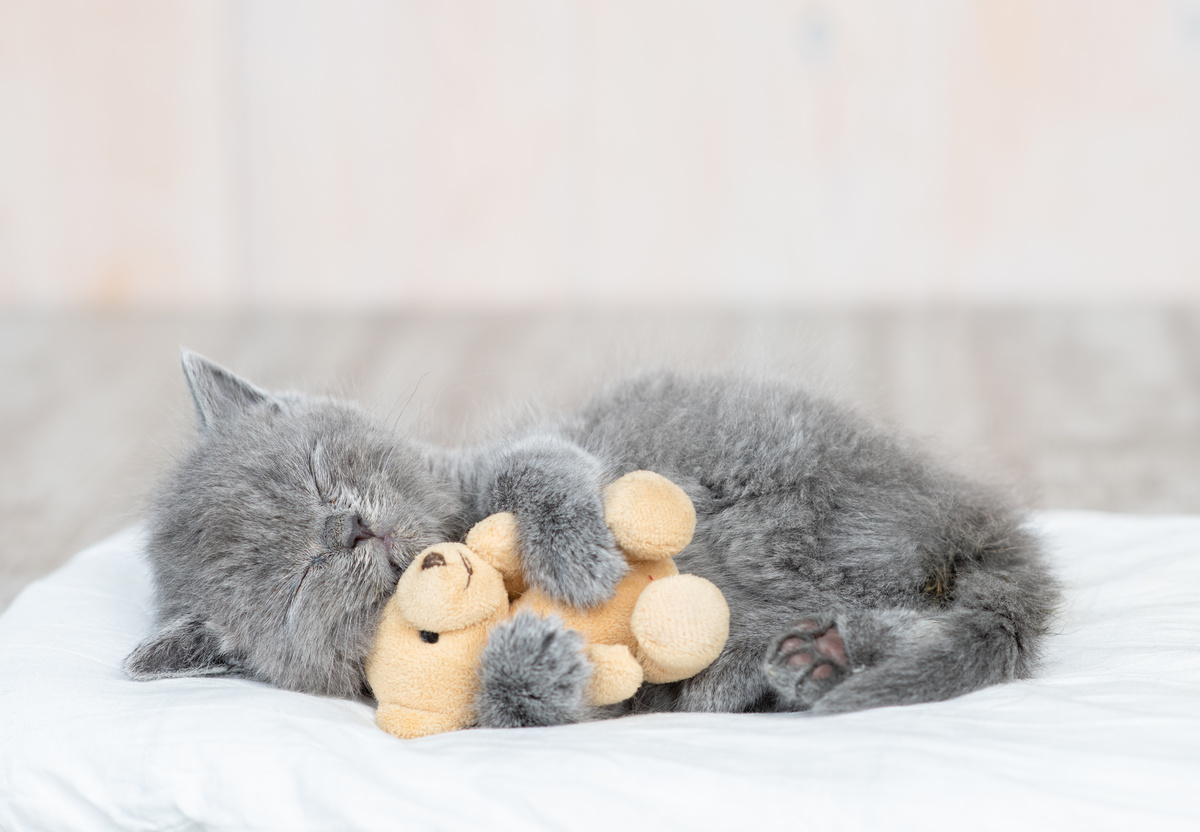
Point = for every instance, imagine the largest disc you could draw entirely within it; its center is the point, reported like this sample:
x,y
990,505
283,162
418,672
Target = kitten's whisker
x,y
404,407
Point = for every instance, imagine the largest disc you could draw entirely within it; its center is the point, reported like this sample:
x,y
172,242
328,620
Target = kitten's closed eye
x,y
314,470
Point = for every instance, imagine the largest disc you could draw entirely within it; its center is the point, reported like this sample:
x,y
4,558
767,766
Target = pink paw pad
x,y
830,644
808,660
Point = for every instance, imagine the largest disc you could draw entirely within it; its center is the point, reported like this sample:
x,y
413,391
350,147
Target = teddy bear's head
x,y
448,587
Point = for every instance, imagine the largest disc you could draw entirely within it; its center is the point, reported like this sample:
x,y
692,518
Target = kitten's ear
x,y
185,647
217,393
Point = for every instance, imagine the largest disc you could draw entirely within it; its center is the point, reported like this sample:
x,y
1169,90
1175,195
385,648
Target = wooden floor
x,y
1095,409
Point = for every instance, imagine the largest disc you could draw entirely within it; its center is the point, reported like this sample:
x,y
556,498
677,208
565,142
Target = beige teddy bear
x,y
660,626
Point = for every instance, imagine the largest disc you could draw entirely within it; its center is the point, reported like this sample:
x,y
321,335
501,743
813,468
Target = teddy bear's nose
x,y
433,559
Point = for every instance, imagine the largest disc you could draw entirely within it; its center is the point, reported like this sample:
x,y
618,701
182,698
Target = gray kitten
x,y
858,573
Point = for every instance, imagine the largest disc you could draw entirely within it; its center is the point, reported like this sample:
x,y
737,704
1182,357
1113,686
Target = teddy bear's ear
x,y
449,587
495,539
651,517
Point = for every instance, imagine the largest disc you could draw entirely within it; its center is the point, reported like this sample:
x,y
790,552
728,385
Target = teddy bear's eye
x,y
428,637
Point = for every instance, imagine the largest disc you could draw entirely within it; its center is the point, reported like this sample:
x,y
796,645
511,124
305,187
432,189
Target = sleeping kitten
x,y
857,573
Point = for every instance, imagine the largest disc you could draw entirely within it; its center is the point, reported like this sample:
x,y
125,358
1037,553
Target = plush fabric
x,y
1107,738
424,669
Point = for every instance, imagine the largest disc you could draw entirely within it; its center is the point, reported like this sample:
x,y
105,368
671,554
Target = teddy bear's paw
x,y
681,624
534,671
650,516
410,723
616,674
806,661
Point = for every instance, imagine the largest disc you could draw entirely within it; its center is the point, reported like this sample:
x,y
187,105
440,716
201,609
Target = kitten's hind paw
x,y
807,661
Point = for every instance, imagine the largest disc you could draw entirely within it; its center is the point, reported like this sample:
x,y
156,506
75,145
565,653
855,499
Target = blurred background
x,y
977,220
234,153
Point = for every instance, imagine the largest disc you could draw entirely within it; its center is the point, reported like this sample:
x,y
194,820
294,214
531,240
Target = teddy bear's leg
x,y
409,723
616,674
650,516
681,624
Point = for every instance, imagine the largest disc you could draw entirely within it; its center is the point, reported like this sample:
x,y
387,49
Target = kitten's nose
x,y
433,559
359,531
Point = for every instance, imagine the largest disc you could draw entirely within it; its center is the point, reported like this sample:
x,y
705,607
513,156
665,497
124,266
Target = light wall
x,y
383,154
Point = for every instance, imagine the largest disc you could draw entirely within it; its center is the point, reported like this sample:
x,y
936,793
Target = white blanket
x,y
1107,738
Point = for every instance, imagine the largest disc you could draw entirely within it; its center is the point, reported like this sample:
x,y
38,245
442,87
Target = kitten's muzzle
x,y
346,530
359,531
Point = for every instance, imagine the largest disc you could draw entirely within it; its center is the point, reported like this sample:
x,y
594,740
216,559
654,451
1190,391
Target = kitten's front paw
x,y
570,554
807,661
533,672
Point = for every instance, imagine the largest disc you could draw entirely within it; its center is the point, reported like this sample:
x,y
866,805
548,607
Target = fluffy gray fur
x,y
533,672
858,573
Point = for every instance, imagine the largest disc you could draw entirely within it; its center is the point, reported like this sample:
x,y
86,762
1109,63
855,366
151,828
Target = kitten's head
x,y
278,539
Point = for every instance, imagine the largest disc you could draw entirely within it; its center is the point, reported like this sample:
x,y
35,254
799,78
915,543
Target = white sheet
x,y
1107,738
